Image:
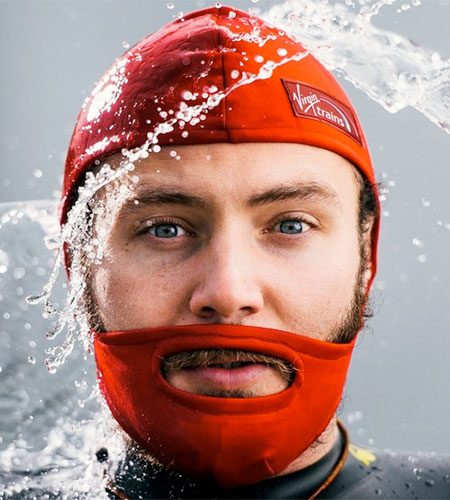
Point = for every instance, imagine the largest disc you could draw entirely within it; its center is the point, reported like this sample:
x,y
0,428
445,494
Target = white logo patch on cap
x,y
312,103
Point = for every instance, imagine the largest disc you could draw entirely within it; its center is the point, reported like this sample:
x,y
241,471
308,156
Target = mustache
x,y
207,357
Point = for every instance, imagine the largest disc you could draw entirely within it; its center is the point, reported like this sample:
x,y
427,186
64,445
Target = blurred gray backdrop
x,y
398,394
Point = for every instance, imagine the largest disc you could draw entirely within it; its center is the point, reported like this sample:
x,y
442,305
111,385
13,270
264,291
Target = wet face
x,y
253,234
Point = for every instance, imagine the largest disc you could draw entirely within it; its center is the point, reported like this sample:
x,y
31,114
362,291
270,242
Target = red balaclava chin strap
x,y
229,441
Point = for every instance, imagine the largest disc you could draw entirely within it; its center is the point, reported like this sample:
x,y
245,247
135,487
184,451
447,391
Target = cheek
x,y
318,287
133,296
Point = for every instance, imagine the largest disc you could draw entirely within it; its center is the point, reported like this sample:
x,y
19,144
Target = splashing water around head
x,y
343,38
390,69
387,67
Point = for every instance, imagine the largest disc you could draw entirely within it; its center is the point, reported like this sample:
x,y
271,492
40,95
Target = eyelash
x,y
284,218
296,218
163,220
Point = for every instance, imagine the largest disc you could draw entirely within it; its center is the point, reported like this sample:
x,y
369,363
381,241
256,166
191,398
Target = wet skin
x,y
253,234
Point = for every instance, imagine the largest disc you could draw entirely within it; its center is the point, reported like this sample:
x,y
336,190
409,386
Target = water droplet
x,y
3,269
422,258
32,343
259,59
36,299
282,52
429,482
417,243
18,273
188,96
40,271
173,154
185,134
232,14
31,360
125,45
52,243
156,148
218,5
38,173
6,315
378,491
170,5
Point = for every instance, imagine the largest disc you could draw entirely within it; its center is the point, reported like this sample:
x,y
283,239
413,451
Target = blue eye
x,y
166,230
291,227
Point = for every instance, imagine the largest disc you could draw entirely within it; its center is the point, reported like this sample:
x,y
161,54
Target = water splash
x,y
343,37
392,70
345,40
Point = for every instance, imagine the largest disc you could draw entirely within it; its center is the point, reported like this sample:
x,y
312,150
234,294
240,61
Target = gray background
x,y
398,394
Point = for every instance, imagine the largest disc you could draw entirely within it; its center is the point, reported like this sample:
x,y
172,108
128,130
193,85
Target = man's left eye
x,y
292,226
167,230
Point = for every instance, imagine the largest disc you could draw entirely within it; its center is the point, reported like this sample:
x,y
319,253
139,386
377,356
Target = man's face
x,y
252,234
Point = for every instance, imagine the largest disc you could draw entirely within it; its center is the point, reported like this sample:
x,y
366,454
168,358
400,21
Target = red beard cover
x,y
227,441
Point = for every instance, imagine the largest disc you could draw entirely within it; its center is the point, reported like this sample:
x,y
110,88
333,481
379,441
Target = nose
x,y
227,288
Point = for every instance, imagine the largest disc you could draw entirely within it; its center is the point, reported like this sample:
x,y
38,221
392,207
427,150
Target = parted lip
x,y
224,359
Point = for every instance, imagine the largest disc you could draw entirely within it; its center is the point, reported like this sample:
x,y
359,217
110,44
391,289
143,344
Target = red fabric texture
x,y
209,48
227,441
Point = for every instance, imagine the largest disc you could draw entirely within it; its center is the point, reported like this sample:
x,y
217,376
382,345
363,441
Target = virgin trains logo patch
x,y
309,102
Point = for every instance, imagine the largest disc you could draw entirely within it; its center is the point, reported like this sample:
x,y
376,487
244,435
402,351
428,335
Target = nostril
x,y
207,312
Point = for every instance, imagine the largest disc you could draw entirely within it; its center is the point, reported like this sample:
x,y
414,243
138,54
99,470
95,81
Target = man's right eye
x,y
166,230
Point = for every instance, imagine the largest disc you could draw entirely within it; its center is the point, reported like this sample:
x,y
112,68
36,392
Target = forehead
x,y
225,172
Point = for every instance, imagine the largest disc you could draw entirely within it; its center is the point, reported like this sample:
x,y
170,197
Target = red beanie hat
x,y
203,55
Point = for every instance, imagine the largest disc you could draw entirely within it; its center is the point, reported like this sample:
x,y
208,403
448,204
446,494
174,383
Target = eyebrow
x,y
161,196
314,191
297,191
